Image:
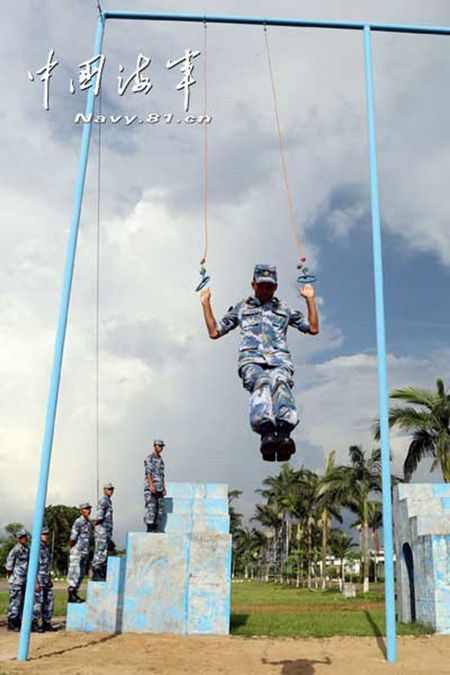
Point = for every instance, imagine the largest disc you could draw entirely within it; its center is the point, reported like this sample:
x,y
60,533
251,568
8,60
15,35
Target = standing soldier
x,y
16,569
265,365
103,533
154,487
43,599
79,552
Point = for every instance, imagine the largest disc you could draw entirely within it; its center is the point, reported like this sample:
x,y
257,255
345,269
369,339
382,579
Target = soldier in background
x,y
103,533
154,486
16,569
79,552
43,599
265,365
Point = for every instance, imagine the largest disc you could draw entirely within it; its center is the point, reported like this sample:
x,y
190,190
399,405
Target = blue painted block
x,y
76,617
422,540
172,582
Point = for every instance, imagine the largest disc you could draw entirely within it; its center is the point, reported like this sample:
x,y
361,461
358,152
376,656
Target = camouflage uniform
x,y
17,565
43,598
79,553
154,502
103,532
265,364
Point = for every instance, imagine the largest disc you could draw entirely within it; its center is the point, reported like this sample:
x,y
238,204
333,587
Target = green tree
x,y
341,545
59,520
235,517
329,507
427,418
352,486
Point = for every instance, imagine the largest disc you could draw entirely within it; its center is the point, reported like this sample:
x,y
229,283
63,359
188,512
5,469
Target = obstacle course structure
x,y
172,582
366,29
422,543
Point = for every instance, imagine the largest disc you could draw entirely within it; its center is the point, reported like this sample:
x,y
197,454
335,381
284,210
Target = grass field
x,y
279,611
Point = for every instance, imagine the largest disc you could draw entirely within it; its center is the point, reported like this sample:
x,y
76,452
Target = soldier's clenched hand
x,y
205,296
307,291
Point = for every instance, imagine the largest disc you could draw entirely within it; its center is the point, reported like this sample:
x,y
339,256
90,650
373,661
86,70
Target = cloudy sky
x,y
159,373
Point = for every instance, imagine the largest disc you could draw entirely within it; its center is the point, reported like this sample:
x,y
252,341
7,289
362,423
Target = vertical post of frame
x,y
47,445
381,349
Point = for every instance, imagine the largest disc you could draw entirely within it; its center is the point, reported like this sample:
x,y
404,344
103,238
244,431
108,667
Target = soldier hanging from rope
x,y
265,364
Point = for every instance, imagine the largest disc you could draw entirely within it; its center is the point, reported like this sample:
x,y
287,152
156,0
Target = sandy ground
x,y
78,653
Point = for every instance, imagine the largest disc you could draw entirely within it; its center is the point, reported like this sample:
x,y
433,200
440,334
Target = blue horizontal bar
x,y
270,21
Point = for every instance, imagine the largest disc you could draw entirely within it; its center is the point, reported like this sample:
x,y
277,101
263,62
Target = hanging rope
x,y
204,278
304,277
97,305
206,167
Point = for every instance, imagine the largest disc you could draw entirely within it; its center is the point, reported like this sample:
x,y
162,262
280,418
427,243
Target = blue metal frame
x,y
24,642
367,29
382,366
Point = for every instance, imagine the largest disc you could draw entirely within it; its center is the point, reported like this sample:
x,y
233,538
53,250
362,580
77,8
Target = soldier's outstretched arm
x,y
211,323
307,292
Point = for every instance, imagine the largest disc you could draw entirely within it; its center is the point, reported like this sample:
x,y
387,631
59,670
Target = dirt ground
x,y
78,653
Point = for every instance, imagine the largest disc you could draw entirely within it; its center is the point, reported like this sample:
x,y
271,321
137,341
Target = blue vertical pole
x,y
24,642
381,348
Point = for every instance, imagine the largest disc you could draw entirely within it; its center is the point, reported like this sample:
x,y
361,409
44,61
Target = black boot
x,y
73,596
36,628
286,446
269,442
13,624
97,574
48,627
151,528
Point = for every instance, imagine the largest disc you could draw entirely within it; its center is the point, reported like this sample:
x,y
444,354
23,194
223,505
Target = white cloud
x,y
159,373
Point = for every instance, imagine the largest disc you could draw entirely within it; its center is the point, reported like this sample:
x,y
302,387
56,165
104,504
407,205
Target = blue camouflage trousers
x,y
43,604
102,543
16,598
78,565
154,507
271,398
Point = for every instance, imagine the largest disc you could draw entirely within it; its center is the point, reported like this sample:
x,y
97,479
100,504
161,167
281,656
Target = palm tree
x,y
427,418
352,486
268,516
328,507
281,492
375,511
308,516
375,524
341,545
235,517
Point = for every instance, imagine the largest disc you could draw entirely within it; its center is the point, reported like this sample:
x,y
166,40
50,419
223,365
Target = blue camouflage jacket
x,y
105,512
263,330
17,564
155,466
80,534
45,565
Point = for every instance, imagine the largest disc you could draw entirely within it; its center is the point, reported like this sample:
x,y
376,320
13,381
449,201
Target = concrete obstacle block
x,y
100,612
422,543
177,581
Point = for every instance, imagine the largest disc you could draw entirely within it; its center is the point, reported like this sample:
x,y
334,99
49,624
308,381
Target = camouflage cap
x,y
22,533
85,505
158,441
265,274
108,485
45,530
